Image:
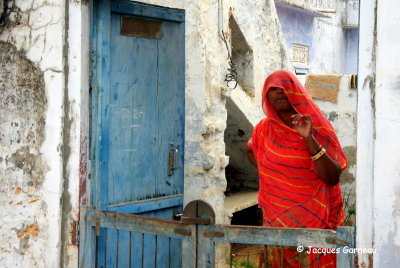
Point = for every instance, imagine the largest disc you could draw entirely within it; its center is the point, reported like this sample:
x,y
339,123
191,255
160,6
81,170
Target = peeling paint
x,y
18,190
31,230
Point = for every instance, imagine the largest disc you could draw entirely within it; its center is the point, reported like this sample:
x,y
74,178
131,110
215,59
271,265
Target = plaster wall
x,y
31,143
343,116
387,128
320,26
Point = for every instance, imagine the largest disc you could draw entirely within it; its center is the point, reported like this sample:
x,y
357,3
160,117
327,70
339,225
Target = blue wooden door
x,y
138,127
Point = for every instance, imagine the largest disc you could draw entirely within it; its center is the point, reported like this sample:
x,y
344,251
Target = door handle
x,y
172,159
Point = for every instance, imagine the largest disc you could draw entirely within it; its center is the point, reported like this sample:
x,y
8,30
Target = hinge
x,y
75,233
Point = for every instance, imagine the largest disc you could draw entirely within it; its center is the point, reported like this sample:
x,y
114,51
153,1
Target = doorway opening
x,y
241,175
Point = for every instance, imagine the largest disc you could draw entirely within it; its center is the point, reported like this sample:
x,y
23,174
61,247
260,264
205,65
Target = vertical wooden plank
x,y
136,250
149,250
205,249
133,142
189,247
124,250
119,168
91,252
175,256
103,77
101,248
93,111
163,252
344,259
144,138
111,247
87,241
170,105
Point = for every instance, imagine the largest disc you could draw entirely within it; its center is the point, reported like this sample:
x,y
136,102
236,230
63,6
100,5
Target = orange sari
x,y
291,194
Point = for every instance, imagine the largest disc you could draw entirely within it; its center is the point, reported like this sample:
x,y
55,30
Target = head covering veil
x,y
287,174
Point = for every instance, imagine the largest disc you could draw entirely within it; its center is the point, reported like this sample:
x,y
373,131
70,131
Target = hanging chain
x,y
231,76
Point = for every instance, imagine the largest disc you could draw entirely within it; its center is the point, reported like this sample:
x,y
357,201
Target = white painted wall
x,y
343,116
386,180
365,128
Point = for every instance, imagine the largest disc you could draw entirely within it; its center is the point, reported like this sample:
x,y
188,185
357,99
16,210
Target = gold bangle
x,y
318,155
317,151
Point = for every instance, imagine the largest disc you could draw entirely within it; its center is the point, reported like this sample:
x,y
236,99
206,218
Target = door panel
x,y
145,114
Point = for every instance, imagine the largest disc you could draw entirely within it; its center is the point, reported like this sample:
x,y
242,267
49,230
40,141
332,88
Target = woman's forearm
x,y
327,169
250,155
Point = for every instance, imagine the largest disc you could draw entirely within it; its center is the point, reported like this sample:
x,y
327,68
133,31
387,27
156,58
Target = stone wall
x,y
31,120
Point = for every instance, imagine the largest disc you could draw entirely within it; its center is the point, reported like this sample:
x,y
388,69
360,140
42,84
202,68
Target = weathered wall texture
x,y
387,128
31,91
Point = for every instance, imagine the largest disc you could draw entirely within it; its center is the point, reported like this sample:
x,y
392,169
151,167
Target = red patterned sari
x,y
291,194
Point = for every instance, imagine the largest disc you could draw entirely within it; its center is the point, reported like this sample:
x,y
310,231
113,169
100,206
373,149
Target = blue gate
x,y
198,235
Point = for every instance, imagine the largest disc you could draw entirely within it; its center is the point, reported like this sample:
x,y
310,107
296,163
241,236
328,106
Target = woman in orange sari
x,y
299,161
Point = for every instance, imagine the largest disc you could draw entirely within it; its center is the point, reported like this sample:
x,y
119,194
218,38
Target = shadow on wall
x,y
240,173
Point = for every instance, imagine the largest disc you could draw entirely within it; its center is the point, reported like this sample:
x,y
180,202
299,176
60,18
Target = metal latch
x,y
97,226
172,159
75,233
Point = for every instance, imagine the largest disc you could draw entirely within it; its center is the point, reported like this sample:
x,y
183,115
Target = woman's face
x,y
278,100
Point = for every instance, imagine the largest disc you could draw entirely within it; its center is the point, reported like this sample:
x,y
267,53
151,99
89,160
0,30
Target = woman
x,y
299,160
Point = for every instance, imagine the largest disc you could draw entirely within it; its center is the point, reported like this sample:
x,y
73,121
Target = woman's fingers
x,y
299,119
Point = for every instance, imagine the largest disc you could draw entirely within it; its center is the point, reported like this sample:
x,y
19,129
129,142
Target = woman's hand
x,y
327,169
303,124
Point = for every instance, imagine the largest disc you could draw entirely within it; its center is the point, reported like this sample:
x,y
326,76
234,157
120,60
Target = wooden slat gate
x,y
200,236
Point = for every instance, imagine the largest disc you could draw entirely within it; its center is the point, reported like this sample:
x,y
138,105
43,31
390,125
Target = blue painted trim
x,y
96,66
104,79
145,10
145,206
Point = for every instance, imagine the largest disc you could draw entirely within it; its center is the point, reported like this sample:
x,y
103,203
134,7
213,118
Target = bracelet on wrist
x,y
316,151
318,155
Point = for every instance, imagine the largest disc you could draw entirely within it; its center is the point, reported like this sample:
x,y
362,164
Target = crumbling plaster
x,y
31,171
